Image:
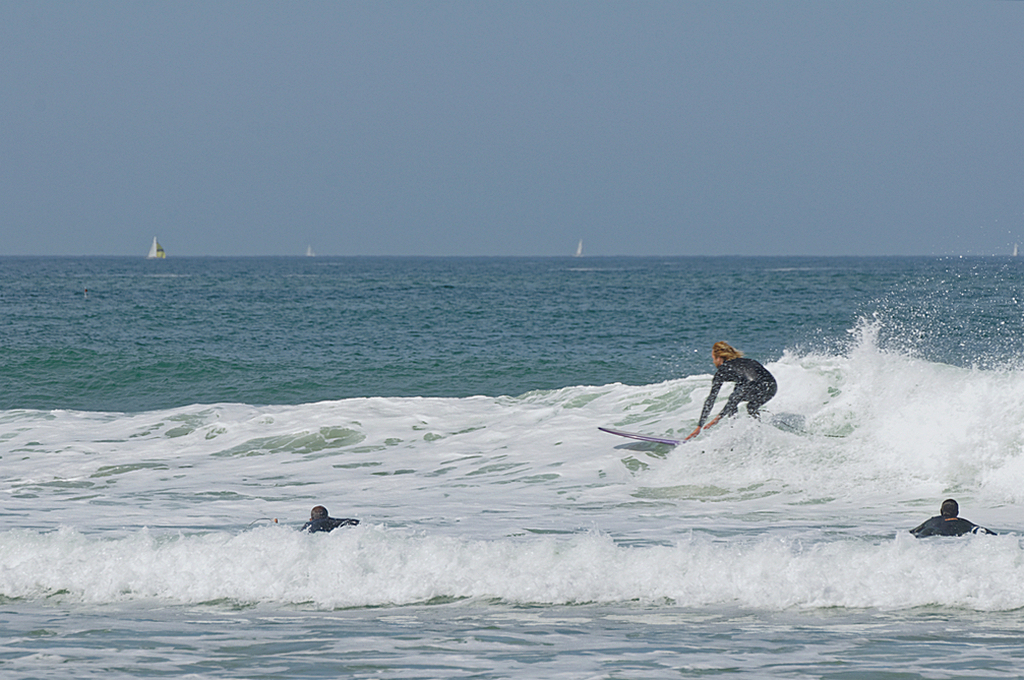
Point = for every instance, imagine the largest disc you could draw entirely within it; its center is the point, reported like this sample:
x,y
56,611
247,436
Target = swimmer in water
x,y
947,523
320,521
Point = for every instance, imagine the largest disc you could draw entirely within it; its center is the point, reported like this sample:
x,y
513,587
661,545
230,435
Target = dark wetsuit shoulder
x,y
948,526
742,370
327,524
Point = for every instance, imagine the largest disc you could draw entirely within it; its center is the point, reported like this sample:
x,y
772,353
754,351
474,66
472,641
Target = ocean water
x,y
166,426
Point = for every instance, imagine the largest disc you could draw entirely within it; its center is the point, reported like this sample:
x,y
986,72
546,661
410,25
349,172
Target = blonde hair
x,y
725,351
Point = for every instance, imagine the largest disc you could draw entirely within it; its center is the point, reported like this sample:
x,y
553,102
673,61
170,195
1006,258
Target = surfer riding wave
x,y
754,385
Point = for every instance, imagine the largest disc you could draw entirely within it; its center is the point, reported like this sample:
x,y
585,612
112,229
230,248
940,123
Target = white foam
x,y
373,565
522,498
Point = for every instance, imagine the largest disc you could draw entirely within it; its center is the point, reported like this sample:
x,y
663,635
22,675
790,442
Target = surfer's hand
x,y
697,431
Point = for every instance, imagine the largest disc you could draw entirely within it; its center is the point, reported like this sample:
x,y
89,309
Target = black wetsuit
x,y
948,526
754,385
327,524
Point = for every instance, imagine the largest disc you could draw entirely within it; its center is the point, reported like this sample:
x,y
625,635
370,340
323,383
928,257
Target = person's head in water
x,y
319,512
723,351
949,508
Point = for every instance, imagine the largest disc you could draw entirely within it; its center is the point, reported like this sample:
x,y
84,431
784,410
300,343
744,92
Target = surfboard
x,y
642,437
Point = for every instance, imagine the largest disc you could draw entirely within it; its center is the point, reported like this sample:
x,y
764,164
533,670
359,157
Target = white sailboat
x,y
1015,250
579,249
156,251
309,251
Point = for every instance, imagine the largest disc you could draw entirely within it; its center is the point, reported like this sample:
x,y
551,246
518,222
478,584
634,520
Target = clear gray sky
x,y
833,127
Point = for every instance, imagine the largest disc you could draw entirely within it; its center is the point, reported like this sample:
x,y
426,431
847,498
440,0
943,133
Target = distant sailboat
x,y
309,251
579,249
1015,250
156,251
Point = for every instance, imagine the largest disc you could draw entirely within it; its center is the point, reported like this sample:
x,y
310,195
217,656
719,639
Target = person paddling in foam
x,y
946,523
754,385
320,521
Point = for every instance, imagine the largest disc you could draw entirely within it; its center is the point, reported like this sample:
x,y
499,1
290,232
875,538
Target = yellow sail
x,y
156,251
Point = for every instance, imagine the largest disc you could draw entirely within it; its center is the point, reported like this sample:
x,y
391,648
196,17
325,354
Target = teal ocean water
x,y
166,425
130,334
134,334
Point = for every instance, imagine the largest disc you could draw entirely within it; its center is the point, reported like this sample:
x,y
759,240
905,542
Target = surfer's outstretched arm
x,y
709,403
